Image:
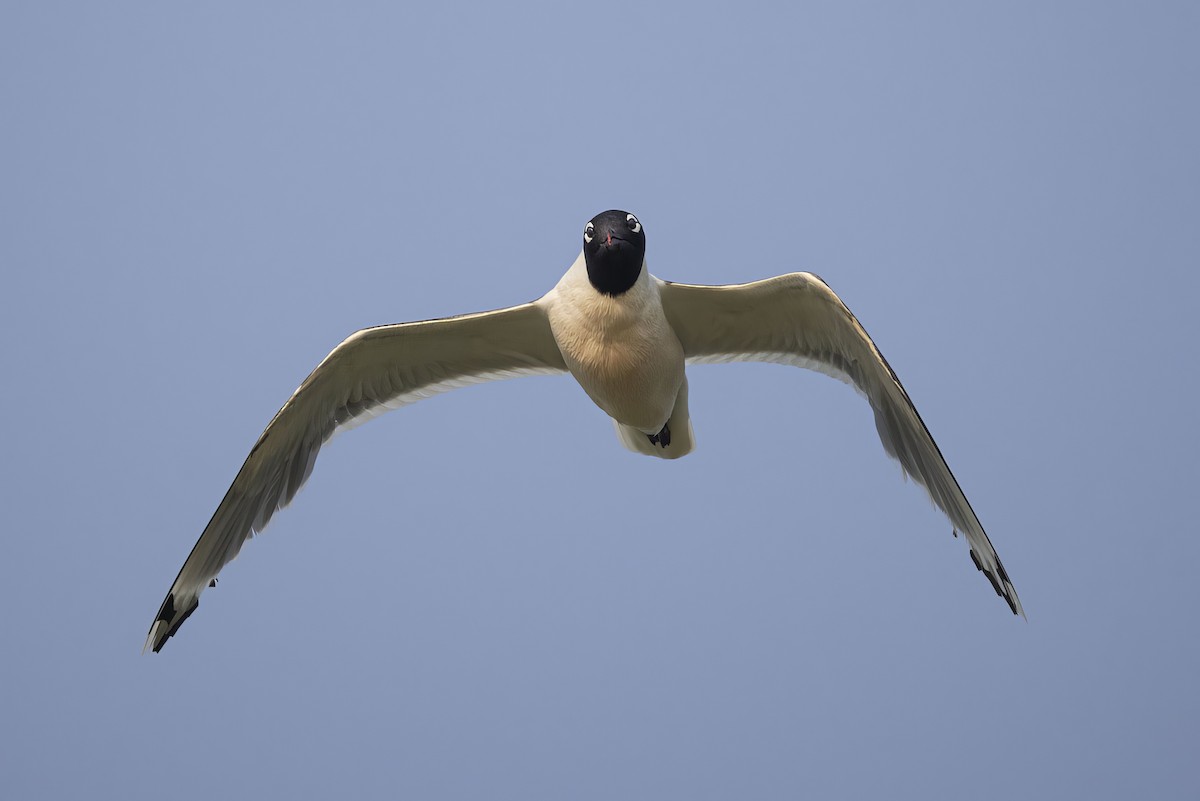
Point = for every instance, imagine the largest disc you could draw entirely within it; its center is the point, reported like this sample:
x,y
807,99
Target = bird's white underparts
x,y
626,337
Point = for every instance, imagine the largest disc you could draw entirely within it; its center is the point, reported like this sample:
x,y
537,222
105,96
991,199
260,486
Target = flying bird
x,y
625,336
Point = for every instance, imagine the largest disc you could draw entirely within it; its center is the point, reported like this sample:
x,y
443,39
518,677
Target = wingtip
x,y
1014,602
168,622
1000,582
154,640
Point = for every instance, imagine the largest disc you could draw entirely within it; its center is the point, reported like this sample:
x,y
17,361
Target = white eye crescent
x,y
634,224
589,231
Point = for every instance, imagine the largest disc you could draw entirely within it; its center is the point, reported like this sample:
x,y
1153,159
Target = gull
x,y
625,336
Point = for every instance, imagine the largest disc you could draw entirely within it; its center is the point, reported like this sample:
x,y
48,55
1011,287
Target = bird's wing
x,y
374,370
797,319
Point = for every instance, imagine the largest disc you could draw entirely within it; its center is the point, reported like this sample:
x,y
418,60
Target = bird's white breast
x,y
620,349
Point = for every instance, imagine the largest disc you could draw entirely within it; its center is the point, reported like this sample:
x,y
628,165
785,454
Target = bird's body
x,y
625,336
623,352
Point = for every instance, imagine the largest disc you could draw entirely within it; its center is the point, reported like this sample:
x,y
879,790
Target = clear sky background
x,y
484,595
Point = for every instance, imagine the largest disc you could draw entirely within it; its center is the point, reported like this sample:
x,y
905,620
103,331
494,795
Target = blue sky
x,y
483,595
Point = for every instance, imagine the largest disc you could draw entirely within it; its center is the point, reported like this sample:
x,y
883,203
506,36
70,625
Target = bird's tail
x,y
682,440
636,441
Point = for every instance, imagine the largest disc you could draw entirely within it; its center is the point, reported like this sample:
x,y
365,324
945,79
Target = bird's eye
x,y
589,231
634,225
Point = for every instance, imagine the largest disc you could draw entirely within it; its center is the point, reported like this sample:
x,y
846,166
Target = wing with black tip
x,y
374,370
797,319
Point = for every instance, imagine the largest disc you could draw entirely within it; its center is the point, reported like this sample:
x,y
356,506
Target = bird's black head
x,y
614,247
